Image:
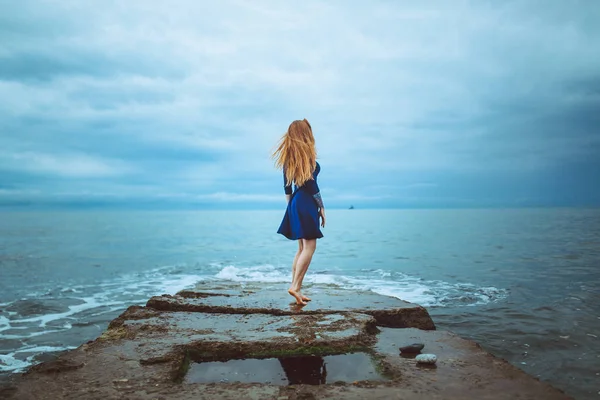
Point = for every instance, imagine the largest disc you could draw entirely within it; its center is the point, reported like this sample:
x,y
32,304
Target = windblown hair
x,y
296,153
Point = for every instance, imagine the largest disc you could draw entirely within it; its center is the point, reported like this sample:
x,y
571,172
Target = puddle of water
x,y
310,370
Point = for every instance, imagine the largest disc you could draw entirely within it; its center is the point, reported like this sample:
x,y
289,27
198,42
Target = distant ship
x,y
351,208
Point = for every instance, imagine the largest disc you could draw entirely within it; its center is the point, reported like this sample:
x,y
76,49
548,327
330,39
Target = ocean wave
x,y
52,311
8,363
89,303
11,363
260,273
412,289
113,295
4,323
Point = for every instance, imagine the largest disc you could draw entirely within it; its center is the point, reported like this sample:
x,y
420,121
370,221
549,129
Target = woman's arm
x,y
318,199
313,188
287,188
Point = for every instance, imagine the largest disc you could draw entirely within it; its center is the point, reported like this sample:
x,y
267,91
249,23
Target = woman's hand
x,y
322,214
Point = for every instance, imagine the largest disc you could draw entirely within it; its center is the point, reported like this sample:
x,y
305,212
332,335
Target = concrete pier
x,y
342,345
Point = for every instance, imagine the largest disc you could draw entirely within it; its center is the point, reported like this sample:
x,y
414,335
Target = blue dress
x,y
301,219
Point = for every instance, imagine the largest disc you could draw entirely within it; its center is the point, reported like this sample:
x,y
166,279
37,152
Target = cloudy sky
x,y
413,103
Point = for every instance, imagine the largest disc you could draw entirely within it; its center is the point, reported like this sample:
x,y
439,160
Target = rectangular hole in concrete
x,y
310,370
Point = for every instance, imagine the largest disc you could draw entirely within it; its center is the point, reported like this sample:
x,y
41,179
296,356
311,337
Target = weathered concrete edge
x,y
413,317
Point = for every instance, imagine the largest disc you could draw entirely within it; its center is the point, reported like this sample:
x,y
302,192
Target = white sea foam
x,y
409,289
131,285
28,335
108,311
43,349
173,286
260,273
324,279
70,290
4,323
412,292
88,304
430,293
384,274
412,289
11,363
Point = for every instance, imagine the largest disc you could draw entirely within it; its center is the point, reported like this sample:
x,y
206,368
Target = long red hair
x,y
296,153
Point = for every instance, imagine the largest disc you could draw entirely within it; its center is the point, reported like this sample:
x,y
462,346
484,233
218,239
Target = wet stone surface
x,y
214,336
274,300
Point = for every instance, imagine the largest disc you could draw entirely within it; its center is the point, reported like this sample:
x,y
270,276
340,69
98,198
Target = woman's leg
x,y
300,247
295,262
302,264
292,289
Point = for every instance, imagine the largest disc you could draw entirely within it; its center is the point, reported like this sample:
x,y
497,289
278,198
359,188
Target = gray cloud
x,y
461,104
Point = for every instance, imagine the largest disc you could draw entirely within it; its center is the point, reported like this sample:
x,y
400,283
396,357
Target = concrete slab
x,y
274,300
210,336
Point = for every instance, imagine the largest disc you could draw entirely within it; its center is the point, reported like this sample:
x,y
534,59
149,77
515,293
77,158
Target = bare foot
x,y
297,296
304,297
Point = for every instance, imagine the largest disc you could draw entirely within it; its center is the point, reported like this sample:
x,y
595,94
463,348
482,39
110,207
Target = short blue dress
x,y
301,219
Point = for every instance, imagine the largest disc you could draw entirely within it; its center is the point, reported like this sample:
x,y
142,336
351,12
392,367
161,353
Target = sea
x,y
523,283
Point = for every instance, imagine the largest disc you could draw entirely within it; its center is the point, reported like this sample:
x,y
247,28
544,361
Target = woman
x,y
297,156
